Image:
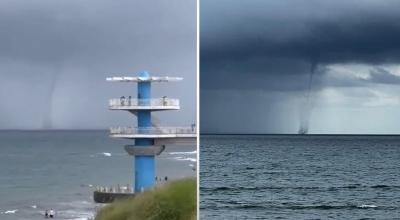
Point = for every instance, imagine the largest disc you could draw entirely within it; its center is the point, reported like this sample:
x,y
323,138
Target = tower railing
x,y
126,102
152,130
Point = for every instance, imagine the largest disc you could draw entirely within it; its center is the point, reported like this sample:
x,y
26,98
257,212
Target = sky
x,y
282,66
55,57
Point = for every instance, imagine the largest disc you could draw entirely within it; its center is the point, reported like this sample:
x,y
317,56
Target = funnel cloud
x,y
48,109
306,110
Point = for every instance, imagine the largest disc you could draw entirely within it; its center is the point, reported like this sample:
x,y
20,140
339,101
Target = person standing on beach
x,y
46,214
51,213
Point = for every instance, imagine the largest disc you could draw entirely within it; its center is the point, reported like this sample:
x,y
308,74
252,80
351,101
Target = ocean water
x,y
57,170
300,177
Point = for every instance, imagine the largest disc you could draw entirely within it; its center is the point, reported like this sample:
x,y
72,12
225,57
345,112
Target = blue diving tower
x,y
150,140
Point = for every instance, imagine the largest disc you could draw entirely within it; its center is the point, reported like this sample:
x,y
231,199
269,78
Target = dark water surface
x,y
300,177
58,170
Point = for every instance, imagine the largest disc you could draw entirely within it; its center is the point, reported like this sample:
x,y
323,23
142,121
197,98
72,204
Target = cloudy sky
x,y
55,56
257,58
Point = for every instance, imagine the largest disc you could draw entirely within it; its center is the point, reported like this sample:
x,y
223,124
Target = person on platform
x,y
122,100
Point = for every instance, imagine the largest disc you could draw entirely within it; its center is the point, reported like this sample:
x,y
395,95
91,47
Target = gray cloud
x,y
73,46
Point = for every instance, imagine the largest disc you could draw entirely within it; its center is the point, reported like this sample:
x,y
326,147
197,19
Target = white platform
x,y
154,132
143,79
144,104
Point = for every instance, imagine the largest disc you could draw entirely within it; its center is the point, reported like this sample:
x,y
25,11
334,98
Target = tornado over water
x,y
307,105
47,119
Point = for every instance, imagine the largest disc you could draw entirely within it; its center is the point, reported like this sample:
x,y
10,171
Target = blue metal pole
x,y
144,165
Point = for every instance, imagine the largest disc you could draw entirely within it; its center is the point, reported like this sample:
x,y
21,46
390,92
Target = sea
x,y
299,177
59,170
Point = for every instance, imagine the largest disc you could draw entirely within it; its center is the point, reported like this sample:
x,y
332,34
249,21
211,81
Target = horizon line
x,y
216,133
295,134
62,129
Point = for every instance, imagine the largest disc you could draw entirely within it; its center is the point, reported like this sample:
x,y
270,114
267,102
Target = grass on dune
x,y
176,200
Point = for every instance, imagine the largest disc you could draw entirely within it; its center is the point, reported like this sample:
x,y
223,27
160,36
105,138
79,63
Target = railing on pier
x,y
113,189
129,102
152,130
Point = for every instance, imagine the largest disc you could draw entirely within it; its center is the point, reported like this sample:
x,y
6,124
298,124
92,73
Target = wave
x,y
382,186
78,204
186,158
239,205
367,206
105,154
330,188
328,207
10,211
78,209
86,185
73,214
250,206
241,188
184,152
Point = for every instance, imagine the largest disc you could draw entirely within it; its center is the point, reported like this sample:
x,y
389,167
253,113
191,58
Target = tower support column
x,y
144,165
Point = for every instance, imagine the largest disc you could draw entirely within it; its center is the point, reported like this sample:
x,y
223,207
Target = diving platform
x,y
148,138
153,132
144,104
143,79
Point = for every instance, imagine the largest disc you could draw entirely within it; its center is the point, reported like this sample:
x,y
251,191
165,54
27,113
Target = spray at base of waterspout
x,y
303,130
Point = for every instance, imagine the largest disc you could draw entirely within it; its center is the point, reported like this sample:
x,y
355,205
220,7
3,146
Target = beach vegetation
x,y
176,200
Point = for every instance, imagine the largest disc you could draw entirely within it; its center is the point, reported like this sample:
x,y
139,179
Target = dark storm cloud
x,y
277,38
257,58
55,56
379,75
